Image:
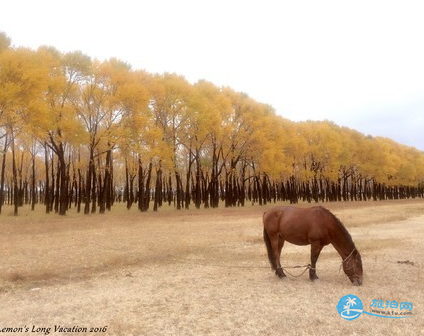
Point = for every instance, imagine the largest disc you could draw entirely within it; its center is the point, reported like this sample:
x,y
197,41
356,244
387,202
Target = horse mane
x,y
341,226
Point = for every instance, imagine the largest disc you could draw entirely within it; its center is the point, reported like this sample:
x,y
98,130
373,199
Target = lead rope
x,y
309,266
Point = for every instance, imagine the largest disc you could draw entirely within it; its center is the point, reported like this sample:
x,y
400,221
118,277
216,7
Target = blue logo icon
x,y
350,307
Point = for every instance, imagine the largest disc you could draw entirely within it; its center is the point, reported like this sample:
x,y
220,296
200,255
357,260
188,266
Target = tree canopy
x,y
77,132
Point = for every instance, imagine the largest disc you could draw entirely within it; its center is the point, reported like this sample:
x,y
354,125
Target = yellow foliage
x,y
77,104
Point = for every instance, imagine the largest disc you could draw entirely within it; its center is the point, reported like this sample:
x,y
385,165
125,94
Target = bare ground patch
x,y
204,273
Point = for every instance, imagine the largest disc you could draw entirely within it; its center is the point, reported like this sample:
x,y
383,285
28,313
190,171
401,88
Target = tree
x,y
207,106
102,127
170,105
56,125
139,138
22,83
247,128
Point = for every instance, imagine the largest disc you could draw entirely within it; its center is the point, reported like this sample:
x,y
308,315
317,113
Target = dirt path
x,y
202,273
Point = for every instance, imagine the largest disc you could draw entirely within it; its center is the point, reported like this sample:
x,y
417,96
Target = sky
x,y
357,63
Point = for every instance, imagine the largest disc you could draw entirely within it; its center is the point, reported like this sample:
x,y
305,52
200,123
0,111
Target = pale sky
x,y
357,63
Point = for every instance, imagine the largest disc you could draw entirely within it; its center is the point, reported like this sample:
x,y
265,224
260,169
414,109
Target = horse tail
x,y
269,250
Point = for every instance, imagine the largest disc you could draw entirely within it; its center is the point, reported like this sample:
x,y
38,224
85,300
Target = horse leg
x,y
279,271
316,248
277,245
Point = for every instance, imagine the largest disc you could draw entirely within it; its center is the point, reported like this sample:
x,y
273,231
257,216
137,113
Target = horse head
x,y
352,266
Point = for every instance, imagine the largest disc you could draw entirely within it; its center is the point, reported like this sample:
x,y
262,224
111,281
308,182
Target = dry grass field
x,y
202,272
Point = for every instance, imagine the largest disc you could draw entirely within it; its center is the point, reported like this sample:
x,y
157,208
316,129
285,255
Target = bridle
x,y
345,260
355,278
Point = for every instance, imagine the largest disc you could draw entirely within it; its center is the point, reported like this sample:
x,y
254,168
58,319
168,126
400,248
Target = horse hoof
x,y
279,272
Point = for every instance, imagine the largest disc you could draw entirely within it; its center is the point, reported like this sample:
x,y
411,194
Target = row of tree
x,y
78,132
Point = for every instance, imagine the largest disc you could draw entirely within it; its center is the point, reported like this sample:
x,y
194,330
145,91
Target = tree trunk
x,y
158,190
214,183
179,189
14,177
198,188
88,184
109,181
63,184
47,186
94,191
187,189
33,190
3,169
127,187
141,178
146,200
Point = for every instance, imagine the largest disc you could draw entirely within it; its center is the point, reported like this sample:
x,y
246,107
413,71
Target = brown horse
x,y
316,226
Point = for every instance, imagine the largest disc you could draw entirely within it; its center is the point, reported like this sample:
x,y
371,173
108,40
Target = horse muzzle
x,y
356,281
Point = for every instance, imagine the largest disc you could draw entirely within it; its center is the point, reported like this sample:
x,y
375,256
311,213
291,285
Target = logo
x,y
350,307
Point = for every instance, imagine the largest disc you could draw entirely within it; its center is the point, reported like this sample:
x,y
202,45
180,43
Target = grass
x,y
203,272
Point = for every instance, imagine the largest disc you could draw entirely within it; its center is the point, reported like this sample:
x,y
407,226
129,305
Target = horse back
x,y
298,226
